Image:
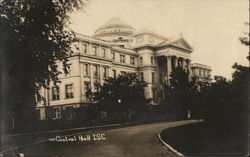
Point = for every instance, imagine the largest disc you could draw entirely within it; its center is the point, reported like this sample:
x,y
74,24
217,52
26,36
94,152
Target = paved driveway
x,y
133,141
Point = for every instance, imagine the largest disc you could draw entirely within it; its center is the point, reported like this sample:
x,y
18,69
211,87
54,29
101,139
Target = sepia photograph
x,y
124,78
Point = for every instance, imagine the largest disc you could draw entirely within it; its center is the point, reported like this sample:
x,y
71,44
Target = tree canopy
x,y
180,93
35,35
126,92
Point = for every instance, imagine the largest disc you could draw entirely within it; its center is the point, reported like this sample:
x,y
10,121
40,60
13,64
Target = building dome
x,y
114,26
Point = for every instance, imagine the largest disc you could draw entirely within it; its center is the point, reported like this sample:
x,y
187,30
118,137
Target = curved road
x,y
131,141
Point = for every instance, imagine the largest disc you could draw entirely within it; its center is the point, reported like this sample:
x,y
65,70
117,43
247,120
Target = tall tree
x,y
122,96
180,93
36,35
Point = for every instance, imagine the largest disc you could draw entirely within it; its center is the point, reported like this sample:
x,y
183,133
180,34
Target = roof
x,y
180,43
201,66
114,23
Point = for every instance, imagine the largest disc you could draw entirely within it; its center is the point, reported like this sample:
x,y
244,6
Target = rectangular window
x,y
154,94
68,112
103,52
160,77
123,72
152,60
87,88
38,96
114,73
95,71
113,56
105,72
86,70
94,50
84,48
122,58
142,76
69,91
141,60
56,114
55,93
153,77
69,70
132,60
96,87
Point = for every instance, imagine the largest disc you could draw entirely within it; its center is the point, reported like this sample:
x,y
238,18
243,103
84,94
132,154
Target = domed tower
x,y
116,31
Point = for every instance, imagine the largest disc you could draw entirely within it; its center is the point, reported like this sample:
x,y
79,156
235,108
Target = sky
x,y
211,27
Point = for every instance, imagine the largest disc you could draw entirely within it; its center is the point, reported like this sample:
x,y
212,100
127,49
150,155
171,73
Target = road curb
x,y
85,130
168,146
73,129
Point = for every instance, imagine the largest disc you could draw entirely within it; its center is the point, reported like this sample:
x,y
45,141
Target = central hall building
x,y
116,48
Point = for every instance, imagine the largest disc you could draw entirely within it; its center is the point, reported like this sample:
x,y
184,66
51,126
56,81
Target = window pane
x,y
86,70
113,56
141,60
69,91
132,60
153,77
38,96
95,71
114,73
55,93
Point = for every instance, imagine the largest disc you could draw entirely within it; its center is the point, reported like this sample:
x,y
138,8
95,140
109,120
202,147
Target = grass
x,y
203,139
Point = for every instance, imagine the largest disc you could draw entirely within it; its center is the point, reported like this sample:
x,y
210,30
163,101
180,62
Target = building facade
x,y
201,72
116,48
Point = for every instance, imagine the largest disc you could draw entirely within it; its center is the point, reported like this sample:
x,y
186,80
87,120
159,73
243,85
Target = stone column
x,y
81,88
183,64
188,61
176,62
101,74
169,68
88,47
91,77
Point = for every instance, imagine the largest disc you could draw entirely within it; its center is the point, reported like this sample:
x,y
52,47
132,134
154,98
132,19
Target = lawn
x,y
203,139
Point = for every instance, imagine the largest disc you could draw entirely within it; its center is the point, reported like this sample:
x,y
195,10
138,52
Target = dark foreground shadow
x,y
203,139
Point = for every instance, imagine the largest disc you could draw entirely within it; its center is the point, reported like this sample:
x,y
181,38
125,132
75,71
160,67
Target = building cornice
x,y
123,50
124,65
174,46
93,40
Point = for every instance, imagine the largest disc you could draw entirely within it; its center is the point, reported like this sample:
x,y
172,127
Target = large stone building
x,y
114,49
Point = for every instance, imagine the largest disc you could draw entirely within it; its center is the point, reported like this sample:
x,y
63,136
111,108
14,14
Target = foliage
x,y
35,36
38,36
180,93
245,39
121,97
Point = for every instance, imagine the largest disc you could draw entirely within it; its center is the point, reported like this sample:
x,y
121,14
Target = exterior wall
x,y
155,63
201,72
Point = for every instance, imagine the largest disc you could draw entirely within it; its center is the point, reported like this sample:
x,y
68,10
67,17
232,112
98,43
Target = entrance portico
x,y
172,62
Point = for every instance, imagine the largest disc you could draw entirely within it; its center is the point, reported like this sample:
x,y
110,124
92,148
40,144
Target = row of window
x,y
55,93
69,89
152,60
96,71
94,50
86,71
122,58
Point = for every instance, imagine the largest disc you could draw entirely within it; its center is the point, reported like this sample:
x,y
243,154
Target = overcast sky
x,y
212,27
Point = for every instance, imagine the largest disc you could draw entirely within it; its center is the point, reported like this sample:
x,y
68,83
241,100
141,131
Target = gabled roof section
x,y
179,43
164,43
182,43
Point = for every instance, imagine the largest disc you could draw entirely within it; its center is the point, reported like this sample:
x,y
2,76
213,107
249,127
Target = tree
x,y
36,35
180,93
245,40
122,97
